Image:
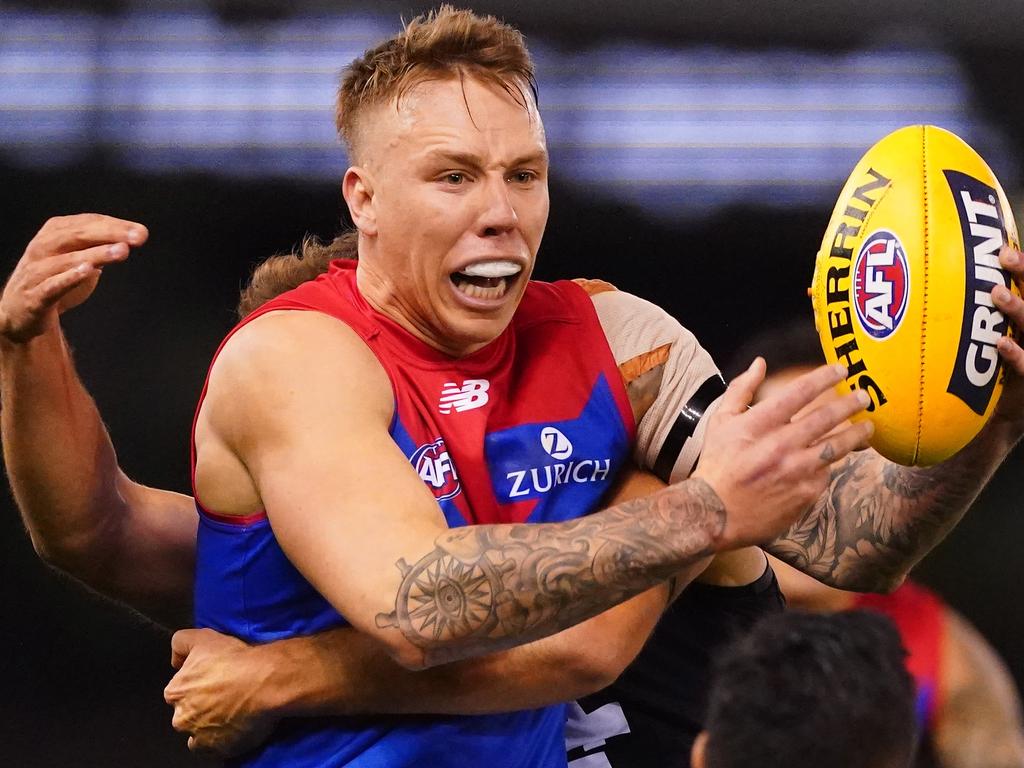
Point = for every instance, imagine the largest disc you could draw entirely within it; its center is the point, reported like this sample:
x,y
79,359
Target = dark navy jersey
x,y
650,717
534,427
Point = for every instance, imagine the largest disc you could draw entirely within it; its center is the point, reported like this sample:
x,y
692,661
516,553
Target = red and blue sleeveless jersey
x,y
919,616
533,427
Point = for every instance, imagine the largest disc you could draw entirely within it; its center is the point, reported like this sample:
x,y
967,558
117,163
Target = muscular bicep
x,y
155,553
306,408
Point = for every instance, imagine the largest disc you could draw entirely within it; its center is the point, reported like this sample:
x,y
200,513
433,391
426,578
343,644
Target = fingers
x,y
1012,354
837,446
780,407
50,290
740,392
1012,307
84,262
823,419
1012,260
182,642
62,234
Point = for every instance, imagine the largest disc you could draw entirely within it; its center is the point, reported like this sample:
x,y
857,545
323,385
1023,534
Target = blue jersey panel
x,y
565,466
528,739
246,587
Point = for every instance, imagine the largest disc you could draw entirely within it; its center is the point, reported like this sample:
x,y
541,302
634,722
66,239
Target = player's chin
x,y
477,329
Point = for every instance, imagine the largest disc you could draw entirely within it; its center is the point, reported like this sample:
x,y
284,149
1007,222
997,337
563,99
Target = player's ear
x,y
697,751
357,189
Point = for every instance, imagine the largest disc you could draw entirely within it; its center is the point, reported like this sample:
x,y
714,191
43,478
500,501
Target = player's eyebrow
x,y
475,162
531,158
457,159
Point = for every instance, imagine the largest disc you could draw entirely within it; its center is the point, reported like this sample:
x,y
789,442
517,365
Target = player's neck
x,y
382,297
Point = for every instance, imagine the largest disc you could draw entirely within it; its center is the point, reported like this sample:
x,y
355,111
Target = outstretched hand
x,y
767,468
60,269
216,692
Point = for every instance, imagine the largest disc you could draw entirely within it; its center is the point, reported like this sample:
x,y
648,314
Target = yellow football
x,y
902,291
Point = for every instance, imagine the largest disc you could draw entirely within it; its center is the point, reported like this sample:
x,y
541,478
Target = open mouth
x,y
488,280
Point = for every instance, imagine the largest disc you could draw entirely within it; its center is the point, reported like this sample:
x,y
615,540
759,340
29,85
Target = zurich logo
x,y
881,284
555,443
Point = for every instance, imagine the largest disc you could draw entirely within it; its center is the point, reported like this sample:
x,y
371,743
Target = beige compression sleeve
x,y
673,383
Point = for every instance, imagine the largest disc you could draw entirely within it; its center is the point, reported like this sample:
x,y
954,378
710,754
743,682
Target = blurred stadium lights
x,y
676,130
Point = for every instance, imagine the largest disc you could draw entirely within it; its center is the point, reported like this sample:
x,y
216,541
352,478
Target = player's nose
x,y
497,213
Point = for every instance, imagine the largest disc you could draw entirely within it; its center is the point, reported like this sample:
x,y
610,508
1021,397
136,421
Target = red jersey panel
x,y
918,614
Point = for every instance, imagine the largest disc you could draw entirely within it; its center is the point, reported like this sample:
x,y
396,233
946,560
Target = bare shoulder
x,y
285,359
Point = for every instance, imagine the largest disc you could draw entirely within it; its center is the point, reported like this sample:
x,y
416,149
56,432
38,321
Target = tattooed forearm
x,y
877,519
488,587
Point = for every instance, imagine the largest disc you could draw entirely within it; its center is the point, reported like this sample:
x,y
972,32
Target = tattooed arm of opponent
x,y
347,507
877,519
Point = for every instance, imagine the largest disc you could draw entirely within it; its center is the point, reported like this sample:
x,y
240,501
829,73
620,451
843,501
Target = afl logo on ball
x,y
881,283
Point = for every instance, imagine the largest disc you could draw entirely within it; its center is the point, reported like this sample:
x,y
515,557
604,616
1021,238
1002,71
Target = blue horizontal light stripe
x,y
673,130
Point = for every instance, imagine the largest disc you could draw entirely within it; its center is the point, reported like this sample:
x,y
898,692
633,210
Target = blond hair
x,y
445,43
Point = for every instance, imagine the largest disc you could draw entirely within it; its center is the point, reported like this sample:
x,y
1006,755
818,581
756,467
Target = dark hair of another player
x,y
786,345
808,690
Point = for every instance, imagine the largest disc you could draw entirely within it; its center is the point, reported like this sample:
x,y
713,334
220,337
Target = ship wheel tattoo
x,y
443,598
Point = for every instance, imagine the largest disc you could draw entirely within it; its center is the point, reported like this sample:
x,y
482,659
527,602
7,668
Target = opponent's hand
x,y
766,468
60,268
1011,404
216,693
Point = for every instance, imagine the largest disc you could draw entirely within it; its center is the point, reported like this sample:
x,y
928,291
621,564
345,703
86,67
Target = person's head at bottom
x,y
804,690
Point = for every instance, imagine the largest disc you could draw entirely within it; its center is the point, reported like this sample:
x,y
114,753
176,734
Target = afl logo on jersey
x,y
436,469
555,443
881,283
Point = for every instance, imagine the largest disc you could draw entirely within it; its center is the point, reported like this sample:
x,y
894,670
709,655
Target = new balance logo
x,y
472,394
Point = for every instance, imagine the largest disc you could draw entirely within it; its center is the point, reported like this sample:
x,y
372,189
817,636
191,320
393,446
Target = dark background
x,y
81,680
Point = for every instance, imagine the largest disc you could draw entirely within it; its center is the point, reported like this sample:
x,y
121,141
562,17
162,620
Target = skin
x,y
758,455
878,519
